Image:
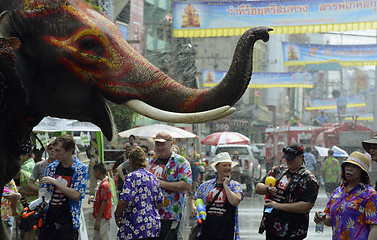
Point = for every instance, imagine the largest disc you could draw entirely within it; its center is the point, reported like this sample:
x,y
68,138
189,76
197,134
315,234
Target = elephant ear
x,y
9,58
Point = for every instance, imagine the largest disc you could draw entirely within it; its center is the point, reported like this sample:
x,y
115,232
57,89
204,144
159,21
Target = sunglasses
x,y
293,151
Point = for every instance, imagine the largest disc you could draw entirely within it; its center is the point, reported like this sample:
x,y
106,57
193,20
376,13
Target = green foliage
x,y
94,4
124,117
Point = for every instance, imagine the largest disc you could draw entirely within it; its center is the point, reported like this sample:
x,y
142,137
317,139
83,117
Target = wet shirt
x,y
6,208
352,212
103,194
309,161
140,218
28,165
79,180
206,192
331,169
39,170
291,187
176,169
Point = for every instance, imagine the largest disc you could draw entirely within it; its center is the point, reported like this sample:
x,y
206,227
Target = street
x,y
250,214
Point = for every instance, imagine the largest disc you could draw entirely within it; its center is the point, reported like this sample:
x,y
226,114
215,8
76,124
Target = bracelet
x,y
117,216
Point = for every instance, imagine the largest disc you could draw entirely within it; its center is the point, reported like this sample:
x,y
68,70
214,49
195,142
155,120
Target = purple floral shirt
x,y
142,193
177,169
352,213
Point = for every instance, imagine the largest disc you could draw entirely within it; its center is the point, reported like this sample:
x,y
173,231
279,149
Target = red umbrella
x,y
220,138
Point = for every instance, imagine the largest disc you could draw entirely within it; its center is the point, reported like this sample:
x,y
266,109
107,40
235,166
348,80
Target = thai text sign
x,y
212,19
347,55
264,80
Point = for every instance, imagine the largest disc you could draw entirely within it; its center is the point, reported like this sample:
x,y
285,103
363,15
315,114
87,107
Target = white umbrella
x,y
152,130
338,152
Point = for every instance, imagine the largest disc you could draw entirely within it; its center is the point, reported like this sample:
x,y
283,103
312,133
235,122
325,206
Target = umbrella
x,y
338,152
151,131
220,138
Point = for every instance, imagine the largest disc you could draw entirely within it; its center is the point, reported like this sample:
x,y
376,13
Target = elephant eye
x,y
90,44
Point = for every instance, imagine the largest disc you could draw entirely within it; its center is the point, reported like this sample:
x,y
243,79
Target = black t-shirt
x,y
59,211
220,220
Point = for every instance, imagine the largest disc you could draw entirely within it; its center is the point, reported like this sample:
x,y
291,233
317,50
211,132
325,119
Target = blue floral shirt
x,y
177,169
309,161
208,186
79,180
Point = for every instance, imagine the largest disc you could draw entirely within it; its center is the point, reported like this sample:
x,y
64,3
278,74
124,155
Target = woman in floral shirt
x,y
351,209
137,212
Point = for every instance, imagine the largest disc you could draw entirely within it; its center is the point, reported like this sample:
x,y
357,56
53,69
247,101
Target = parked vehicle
x,y
262,150
251,171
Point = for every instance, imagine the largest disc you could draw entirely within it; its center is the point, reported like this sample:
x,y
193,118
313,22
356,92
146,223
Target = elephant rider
x,y
174,174
66,181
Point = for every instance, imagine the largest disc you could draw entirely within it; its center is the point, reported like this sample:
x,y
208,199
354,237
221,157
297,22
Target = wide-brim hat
x,y
222,157
358,159
367,143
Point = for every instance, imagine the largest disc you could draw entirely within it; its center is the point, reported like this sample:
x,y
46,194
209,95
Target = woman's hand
x,y
270,203
193,211
319,217
271,190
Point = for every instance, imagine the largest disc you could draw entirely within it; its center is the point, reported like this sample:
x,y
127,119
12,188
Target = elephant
x,y
62,58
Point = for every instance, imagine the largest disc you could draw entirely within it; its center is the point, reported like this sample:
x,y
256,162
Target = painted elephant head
x,y
61,58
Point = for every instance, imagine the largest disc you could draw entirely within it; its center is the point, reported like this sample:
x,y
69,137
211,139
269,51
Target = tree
x,y
124,117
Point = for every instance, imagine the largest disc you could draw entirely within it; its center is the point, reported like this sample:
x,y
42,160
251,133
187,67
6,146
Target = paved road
x,y
250,213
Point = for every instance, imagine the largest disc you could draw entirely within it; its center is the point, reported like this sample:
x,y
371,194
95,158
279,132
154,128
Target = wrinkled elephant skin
x,y
61,58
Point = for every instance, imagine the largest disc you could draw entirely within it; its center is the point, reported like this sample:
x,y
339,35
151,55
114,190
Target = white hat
x,y
222,157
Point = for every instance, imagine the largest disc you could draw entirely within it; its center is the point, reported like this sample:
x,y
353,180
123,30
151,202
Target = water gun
x,y
201,213
269,180
36,208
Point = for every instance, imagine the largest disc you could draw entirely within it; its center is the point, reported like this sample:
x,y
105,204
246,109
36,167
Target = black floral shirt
x,y
291,187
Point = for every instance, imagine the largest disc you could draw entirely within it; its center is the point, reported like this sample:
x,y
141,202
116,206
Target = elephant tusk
x,y
166,116
221,115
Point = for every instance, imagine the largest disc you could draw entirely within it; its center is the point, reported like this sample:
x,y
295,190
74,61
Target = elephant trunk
x,y
166,94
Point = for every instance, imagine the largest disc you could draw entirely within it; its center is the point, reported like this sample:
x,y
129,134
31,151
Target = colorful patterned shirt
x,y
6,208
331,169
291,187
205,188
176,169
140,218
352,212
103,194
28,165
309,161
79,180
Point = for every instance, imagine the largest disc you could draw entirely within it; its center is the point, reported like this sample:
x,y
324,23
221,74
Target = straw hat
x,y
222,157
359,159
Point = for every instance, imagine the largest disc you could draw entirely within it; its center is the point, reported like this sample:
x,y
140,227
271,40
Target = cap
x,y
163,137
222,157
367,143
359,159
292,151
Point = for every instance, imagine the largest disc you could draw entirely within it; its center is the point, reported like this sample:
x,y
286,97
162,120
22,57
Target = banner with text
x,y
264,80
214,19
295,54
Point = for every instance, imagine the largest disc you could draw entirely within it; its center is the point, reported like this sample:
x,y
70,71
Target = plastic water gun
x,y
37,209
269,180
201,213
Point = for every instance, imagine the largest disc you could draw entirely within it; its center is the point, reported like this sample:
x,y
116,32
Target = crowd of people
x,y
153,188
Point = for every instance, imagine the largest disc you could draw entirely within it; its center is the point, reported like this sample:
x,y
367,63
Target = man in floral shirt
x,y
65,180
331,173
174,174
287,207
